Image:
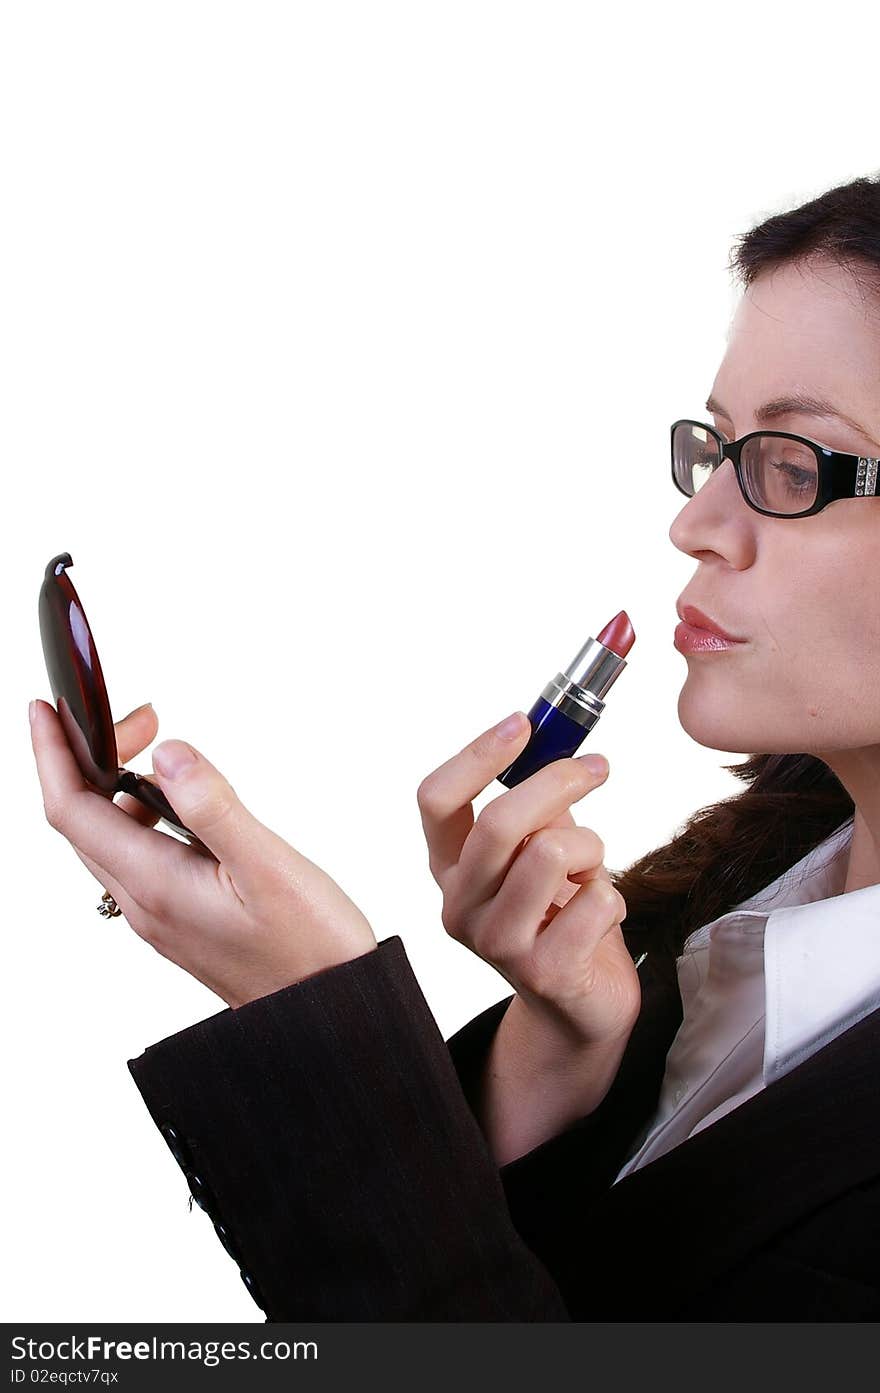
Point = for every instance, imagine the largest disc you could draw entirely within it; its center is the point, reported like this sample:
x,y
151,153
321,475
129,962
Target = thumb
x,y
207,804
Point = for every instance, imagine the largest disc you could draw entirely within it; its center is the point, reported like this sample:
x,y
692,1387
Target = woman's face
x,y
804,591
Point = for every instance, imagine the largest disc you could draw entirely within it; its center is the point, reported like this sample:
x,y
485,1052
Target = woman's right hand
x,y
526,890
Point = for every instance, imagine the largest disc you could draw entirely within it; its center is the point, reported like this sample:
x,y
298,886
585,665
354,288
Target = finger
x,y
135,732
208,805
565,819
568,890
565,891
136,809
578,933
540,869
445,795
598,873
92,823
498,832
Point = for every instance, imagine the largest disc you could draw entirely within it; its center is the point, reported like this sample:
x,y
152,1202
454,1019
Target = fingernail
x,y
32,712
172,758
510,726
597,764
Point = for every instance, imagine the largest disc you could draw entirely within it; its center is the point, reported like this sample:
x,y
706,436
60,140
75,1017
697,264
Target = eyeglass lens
x,y
779,475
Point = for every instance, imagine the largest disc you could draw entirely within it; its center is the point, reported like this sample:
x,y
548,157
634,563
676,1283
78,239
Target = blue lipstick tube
x,y
566,711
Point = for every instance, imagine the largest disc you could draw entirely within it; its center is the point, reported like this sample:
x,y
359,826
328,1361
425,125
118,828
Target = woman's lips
x,y
699,620
690,639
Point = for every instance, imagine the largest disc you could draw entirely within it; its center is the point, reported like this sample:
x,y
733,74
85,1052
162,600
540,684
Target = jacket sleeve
x,y
324,1130
551,1189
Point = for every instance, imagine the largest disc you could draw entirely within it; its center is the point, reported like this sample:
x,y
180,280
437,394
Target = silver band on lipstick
x,y
578,691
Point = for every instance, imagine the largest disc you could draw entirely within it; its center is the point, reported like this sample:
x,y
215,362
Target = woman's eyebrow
x,y
801,403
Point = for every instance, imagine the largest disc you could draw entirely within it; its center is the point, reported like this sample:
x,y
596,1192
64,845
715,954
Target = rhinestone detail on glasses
x,y
866,476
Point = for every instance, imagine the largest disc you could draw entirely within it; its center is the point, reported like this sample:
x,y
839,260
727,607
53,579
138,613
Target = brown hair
x,y
731,849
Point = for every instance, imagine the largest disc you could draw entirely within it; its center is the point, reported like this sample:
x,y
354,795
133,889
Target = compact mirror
x,y
81,700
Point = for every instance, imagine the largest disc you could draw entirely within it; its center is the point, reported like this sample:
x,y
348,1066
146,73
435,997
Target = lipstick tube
x,y
571,704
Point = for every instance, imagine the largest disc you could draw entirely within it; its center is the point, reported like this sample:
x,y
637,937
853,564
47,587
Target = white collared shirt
x,y
762,988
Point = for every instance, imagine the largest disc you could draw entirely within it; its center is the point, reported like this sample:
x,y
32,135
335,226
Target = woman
x,y
695,1139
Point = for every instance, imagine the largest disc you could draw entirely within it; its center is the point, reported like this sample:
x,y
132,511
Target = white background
x,y
340,344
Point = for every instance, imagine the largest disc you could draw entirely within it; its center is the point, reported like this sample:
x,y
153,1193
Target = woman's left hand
x,y
259,918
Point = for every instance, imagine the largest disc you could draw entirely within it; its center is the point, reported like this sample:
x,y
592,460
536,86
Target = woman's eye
x,y
797,478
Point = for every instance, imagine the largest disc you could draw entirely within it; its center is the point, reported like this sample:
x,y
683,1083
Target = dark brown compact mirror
x,y
81,699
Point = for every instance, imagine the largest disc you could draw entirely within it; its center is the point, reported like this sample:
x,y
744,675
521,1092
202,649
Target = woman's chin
x,y
719,726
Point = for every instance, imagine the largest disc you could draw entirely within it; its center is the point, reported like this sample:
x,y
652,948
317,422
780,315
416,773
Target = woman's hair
x,y
731,849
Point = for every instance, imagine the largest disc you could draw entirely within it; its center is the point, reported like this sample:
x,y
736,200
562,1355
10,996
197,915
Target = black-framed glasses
x,y
779,475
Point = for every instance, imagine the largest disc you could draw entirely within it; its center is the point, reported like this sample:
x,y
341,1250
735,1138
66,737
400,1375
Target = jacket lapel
x,y
677,1224
722,1193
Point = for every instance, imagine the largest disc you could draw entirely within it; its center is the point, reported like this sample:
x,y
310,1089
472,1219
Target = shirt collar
x,y
821,952
817,876
821,958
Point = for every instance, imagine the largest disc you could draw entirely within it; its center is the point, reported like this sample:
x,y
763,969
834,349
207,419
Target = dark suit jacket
x,y
330,1133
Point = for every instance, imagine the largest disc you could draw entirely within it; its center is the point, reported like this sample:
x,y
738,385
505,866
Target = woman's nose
x,y
713,519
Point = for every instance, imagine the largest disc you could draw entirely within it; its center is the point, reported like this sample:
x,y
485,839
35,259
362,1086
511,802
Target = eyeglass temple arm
x,y
866,476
